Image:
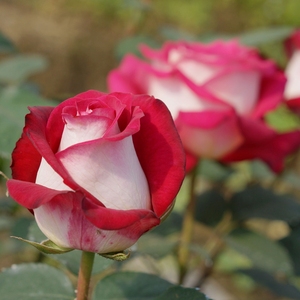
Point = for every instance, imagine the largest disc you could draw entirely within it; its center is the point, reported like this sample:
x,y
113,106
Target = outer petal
x,y
271,93
64,222
160,152
36,132
294,105
263,143
191,161
209,134
292,43
33,196
129,77
30,195
112,219
25,157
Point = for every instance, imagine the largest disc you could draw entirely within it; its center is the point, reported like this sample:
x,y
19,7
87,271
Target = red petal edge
x,y
160,152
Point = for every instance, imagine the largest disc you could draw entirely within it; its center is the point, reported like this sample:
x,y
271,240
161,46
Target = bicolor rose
x,y
292,72
217,93
99,170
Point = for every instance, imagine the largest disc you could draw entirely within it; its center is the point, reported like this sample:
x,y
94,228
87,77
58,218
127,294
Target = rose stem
x,y
187,228
84,276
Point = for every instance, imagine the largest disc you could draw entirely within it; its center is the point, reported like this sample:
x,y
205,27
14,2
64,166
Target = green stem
x,y
187,229
84,276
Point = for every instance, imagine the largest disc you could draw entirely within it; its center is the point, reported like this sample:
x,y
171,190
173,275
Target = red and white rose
x,y
98,170
217,93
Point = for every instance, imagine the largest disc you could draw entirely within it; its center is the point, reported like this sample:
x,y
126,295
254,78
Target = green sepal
x,y
118,256
46,246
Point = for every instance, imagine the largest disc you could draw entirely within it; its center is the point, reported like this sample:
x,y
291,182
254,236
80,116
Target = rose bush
x,y
98,170
292,71
217,93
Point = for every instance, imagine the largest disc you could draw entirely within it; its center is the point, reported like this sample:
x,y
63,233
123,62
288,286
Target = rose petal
x,y
110,171
160,152
25,157
240,89
292,71
264,143
169,89
209,134
63,221
30,195
111,219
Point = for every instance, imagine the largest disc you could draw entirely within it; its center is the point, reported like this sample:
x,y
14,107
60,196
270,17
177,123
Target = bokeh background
x,y
80,41
83,39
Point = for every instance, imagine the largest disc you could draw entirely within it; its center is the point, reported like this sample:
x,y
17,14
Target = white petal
x,y
292,88
240,89
59,226
111,172
82,129
212,143
47,177
176,95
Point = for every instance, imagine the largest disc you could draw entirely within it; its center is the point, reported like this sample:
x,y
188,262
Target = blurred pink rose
x,y
292,72
217,94
98,170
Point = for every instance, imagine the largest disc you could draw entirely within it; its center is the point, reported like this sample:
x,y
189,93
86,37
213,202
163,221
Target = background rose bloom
x,y
98,170
217,94
292,71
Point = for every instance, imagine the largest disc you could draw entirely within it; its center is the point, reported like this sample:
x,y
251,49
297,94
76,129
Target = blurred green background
x,y
83,39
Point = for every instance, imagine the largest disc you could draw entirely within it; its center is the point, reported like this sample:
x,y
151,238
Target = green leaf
x,y
283,119
21,226
282,289
141,286
117,256
35,281
213,170
257,202
210,207
260,170
170,225
20,67
6,45
178,292
265,254
72,262
131,45
155,245
131,286
6,221
292,244
265,35
14,104
46,246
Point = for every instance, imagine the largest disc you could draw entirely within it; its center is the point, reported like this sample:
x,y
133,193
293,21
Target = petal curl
x,y
30,195
160,152
25,157
112,219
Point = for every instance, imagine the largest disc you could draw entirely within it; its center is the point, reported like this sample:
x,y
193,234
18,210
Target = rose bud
x,y
292,72
99,170
217,93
